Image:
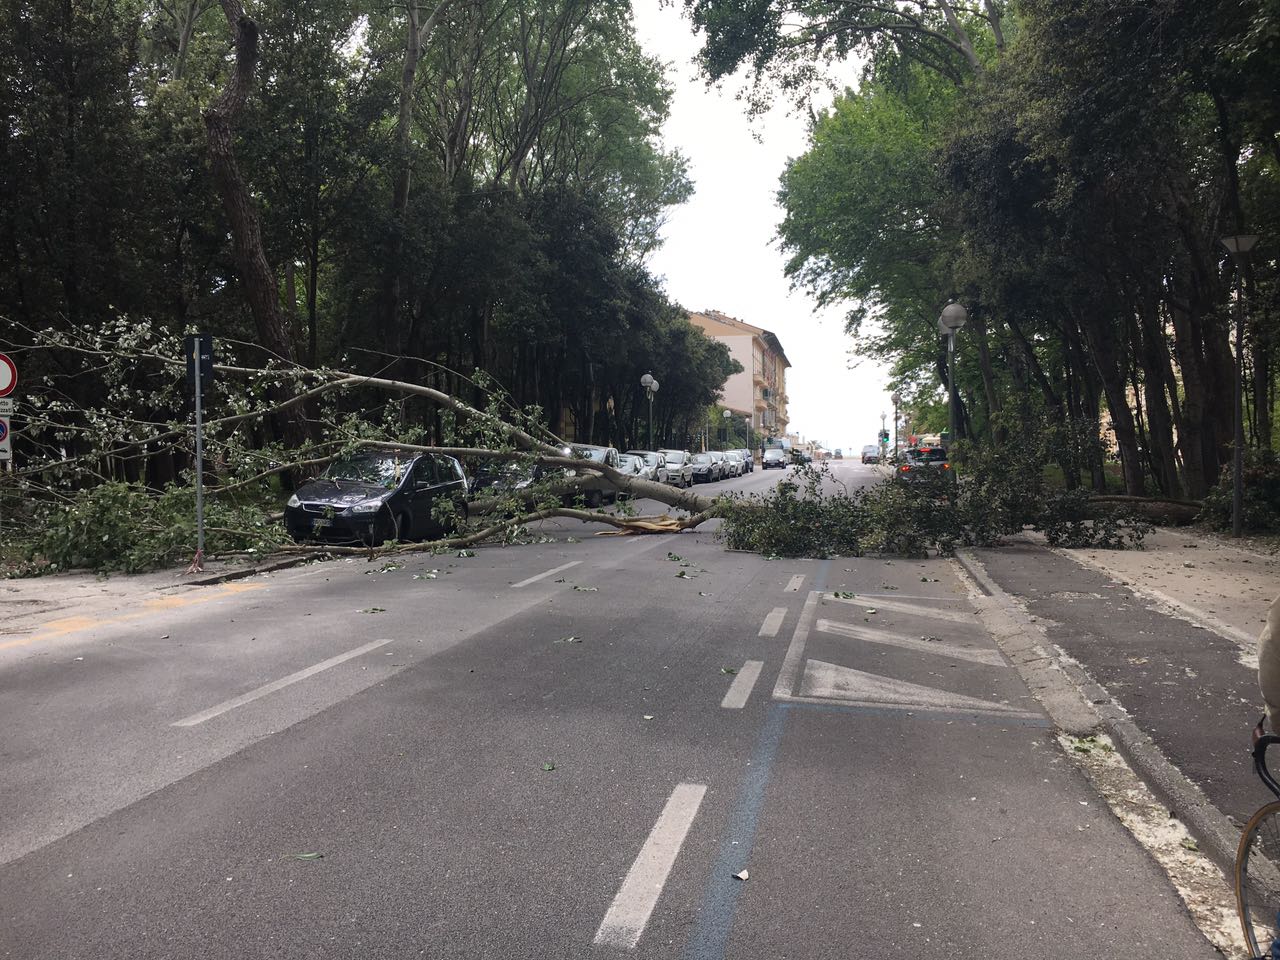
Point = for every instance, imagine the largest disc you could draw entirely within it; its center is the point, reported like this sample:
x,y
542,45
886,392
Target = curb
x,y
243,572
1217,835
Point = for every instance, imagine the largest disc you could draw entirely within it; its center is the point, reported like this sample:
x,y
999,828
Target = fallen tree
x,y
82,498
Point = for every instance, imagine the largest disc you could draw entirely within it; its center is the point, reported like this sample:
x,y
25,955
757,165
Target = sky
x,y
720,253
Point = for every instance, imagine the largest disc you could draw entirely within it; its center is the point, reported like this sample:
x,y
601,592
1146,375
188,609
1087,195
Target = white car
x,y
733,460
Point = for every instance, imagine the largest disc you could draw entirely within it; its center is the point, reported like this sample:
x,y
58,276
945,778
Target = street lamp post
x,y
650,387
952,319
897,399
1239,247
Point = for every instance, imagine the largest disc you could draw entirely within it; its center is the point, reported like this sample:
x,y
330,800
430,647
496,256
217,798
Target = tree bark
x,y
256,277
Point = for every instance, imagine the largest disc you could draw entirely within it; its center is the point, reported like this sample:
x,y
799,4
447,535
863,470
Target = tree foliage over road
x,y
1067,172
418,190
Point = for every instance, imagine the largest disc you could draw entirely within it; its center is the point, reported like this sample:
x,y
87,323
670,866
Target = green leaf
x,y
306,856
548,767
729,670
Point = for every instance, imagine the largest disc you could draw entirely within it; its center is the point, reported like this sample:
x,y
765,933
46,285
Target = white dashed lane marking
x,y
743,684
548,573
773,622
796,582
625,921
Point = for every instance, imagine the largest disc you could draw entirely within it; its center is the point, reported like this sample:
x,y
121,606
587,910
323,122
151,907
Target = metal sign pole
x,y
198,563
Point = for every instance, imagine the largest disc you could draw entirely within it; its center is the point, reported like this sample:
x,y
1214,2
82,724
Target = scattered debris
x,y
744,875
568,640
374,610
581,589
548,767
463,554
684,575
729,670
648,716
674,556
306,856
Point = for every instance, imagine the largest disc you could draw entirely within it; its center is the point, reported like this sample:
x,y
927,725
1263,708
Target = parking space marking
x,y
897,606
273,686
773,622
743,684
629,913
796,582
548,573
937,647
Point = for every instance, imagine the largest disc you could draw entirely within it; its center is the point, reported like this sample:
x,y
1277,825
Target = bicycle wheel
x,y
1257,879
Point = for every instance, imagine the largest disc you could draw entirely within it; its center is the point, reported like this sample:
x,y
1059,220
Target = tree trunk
x,y
1102,341
256,277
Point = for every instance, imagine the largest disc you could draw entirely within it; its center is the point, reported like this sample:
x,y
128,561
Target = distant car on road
x,y
871,453
774,458
633,466
374,497
839,454
679,467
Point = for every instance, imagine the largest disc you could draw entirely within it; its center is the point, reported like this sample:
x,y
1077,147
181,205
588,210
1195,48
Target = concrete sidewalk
x,y
1163,642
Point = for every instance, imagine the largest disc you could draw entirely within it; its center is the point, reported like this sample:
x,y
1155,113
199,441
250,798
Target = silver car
x,y
655,462
736,465
723,468
679,467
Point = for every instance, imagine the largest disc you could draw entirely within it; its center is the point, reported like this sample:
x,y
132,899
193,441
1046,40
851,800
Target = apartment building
x,y
760,390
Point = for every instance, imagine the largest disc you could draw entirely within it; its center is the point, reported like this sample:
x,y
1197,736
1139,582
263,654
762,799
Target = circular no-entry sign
x,y
8,375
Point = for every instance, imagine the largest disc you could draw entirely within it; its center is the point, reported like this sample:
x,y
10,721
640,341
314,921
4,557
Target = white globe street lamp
x,y
650,387
952,319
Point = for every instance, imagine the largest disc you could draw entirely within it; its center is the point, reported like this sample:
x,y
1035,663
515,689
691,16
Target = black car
x,y
373,497
773,457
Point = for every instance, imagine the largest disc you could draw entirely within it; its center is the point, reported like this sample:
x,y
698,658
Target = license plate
x,y
319,523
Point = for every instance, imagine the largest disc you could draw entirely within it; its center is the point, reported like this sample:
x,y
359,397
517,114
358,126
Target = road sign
x,y
199,344
8,375
6,445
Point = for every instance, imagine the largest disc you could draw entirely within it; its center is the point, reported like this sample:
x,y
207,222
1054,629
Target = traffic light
x,y
884,436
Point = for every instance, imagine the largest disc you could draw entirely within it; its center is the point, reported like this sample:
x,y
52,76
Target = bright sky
x,y
720,251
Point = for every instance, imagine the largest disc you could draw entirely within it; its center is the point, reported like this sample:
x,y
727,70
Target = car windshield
x,y
651,459
383,471
627,461
702,458
928,455
589,453
773,455
673,456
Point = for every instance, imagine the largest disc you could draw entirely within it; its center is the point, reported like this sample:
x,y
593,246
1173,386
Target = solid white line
x,y
275,685
549,573
742,685
627,916
794,585
773,622
795,651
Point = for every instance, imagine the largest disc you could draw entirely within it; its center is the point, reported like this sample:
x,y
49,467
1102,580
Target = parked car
x,y
773,458
722,468
737,466
871,453
656,463
374,497
594,488
923,463
679,467
748,461
705,468
839,455
493,478
633,466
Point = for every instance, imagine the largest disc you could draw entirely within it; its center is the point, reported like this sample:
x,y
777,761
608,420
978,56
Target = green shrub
x,y
1261,503
124,527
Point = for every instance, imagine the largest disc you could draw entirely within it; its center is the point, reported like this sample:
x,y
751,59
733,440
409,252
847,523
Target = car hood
x,y
340,493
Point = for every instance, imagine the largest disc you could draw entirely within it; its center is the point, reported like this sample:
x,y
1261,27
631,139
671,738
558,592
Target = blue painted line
x,y
719,904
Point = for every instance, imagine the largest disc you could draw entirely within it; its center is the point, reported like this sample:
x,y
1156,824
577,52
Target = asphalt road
x,y
564,749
